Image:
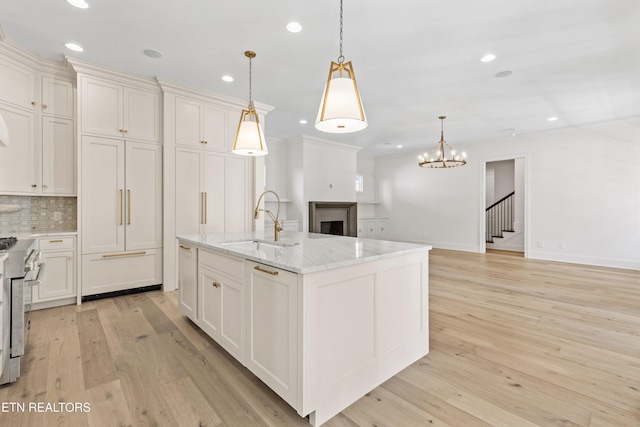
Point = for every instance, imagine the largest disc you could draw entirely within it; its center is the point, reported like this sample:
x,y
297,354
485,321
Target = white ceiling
x,y
578,60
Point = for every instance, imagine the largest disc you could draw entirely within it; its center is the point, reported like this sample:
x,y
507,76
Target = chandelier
x,y
442,155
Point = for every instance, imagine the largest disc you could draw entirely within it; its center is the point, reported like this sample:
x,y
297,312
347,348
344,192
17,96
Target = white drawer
x,y
233,267
55,243
119,271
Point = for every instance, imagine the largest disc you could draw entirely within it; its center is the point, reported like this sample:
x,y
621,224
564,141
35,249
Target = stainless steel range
x,y
22,269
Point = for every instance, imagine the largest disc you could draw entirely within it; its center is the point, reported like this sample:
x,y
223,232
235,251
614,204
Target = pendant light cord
x,y
341,57
250,98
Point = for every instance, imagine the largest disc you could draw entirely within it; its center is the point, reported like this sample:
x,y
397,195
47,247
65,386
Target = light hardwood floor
x,y
514,342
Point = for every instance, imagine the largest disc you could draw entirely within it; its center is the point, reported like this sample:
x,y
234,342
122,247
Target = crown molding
x,y
87,68
211,97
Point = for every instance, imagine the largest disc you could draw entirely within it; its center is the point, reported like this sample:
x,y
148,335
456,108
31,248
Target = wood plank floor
x,y
514,342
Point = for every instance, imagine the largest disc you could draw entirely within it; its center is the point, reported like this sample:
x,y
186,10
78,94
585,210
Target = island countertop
x,y
302,252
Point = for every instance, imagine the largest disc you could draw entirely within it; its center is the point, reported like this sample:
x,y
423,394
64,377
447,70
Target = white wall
x,y
366,200
582,195
504,178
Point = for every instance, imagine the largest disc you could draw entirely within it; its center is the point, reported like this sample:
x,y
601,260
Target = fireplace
x,y
339,218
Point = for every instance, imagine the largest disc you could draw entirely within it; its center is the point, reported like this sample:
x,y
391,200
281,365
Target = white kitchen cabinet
x,y
188,281
58,97
221,300
39,111
112,109
374,228
58,156
17,84
199,124
58,254
211,192
121,213
18,160
271,337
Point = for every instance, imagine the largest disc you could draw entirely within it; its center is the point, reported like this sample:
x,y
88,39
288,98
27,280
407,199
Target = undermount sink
x,y
255,244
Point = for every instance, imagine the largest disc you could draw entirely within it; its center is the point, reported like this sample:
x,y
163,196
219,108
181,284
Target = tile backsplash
x,y
39,215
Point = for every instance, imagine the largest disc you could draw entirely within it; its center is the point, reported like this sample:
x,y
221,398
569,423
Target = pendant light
x,y
250,139
4,133
442,155
341,107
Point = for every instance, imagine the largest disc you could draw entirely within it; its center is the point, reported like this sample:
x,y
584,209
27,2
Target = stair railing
x,y
499,217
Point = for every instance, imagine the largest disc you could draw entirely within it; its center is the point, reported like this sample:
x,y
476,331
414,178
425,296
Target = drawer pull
x,y
55,241
216,284
264,270
124,254
185,248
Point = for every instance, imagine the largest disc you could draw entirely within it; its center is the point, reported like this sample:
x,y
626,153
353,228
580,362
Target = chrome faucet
x,y
277,228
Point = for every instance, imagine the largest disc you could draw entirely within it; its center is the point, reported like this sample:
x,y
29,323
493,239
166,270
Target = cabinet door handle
x,y
205,207
128,207
123,254
55,241
33,102
201,207
185,248
215,284
121,207
44,106
264,270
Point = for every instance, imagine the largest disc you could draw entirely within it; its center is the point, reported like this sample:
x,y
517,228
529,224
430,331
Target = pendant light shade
x,y
442,155
4,133
341,107
250,139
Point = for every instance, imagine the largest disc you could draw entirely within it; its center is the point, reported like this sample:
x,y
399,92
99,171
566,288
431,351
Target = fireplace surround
x,y
340,218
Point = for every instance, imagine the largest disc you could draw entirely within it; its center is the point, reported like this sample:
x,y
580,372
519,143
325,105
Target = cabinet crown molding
x,y
210,97
82,67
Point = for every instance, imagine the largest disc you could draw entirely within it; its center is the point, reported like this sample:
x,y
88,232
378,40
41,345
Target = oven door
x,y
21,295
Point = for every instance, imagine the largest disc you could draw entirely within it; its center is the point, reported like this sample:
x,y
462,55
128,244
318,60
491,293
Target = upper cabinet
x,y
17,84
112,109
58,97
38,104
201,125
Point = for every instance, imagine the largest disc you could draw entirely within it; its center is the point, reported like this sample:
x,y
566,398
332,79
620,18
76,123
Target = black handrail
x,y
499,217
502,200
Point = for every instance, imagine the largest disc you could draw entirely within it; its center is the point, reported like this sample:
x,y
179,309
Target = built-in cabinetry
x,y
58,286
38,104
373,228
119,110
271,328
221,300
121,205
207,188
212,191
120,190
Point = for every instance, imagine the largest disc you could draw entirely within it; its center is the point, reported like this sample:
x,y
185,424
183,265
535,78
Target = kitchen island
x,y
321,319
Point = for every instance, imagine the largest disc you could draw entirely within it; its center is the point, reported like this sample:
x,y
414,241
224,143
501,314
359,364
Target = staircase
x,y
499,219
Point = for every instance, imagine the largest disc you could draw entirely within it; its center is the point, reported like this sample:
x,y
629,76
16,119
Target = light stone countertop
x,y
313,252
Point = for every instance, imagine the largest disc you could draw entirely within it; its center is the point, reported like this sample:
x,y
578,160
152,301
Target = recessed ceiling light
x,y
552,119
399,146
303,122
152,53
74,47
294,27
488,57
78,3
504,74
227,78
